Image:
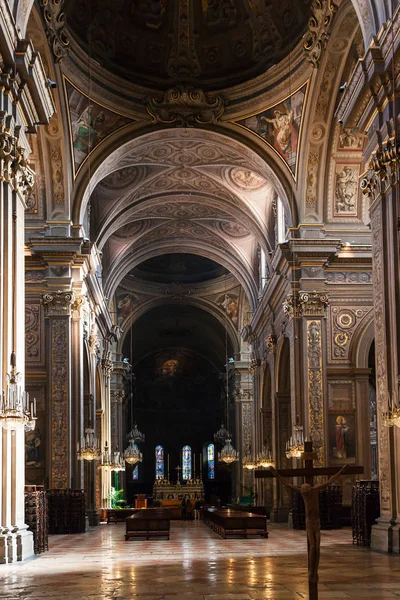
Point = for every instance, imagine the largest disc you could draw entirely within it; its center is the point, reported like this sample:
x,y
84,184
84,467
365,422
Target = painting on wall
x,y
346,189
342,440
280,126
90,123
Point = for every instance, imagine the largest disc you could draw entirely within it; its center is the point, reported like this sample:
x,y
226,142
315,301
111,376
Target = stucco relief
x,y
342,325
346,190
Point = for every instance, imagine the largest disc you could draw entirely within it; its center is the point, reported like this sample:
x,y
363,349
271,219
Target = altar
x,y
164,490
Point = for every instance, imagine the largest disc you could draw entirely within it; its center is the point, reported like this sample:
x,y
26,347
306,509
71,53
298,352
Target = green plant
x,y
116,498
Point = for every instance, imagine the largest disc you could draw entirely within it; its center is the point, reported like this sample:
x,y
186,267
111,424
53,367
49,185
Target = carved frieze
x,y
185,106
319,26
315,387
358,277
306,304
58,303
56,31
59,403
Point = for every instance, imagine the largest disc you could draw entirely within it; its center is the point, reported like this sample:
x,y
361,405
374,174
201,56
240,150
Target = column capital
x,y
117,396
383,169
14,168
107,365
271,343
58,304
306,304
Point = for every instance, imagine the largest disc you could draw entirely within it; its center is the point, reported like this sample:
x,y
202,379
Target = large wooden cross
x,y
310,494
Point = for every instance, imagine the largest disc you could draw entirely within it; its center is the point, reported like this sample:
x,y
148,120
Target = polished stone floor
x,y
196,564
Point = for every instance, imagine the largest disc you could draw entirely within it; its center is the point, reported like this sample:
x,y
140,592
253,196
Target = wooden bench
x,y
227,522
148,523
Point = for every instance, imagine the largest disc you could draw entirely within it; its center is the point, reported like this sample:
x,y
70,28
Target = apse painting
x,y
90,123
230,304
280,126
342,445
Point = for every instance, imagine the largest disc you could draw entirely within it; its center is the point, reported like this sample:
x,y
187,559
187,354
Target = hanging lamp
x,y
132,454
89,446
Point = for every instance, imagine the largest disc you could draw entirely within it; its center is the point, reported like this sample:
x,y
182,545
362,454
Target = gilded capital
x,y
383,170
306,304
58,303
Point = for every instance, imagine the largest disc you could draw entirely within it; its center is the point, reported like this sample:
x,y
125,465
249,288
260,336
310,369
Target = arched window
x,y
159,462
186,462
135,473
211,461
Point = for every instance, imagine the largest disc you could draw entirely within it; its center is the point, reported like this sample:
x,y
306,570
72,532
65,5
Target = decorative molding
x,y
271,343
383,170
58,303
33,333
355,277
177,291
107,365
315,387
184,106
319,26
14,168
306,304
55,22
343,324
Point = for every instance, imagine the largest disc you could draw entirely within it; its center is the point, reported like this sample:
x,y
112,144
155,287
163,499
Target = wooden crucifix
x,y
310,495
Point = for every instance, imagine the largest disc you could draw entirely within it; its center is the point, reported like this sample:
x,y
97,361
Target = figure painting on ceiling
x,y
341,437
280,126
125,305
230,304
90,123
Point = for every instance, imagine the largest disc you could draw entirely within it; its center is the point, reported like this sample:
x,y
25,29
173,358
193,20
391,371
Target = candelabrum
x,y
15,408
295,446
221,435
135,435
248,461
264,458
228,454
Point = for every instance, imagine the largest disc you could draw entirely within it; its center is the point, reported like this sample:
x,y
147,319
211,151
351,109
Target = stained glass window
x,y
159,462
135,472
211,461
187,462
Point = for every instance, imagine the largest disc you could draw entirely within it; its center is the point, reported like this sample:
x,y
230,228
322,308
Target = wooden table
x,y
148,523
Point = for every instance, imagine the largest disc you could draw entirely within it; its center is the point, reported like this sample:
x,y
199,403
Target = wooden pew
x,y
148,523
228,522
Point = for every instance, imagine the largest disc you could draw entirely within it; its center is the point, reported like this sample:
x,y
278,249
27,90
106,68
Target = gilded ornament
x,y
319,26
185,106
55,22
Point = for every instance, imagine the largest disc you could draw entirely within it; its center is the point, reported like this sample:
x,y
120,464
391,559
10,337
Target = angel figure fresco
x,y
85,134
283,131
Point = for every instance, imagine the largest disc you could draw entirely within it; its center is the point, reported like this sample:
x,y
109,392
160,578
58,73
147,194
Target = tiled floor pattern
x,y
196,564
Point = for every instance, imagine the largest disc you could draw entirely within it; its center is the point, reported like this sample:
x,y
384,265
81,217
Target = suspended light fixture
x,y
264,458
249,463
295,445
227,454
15,408
89,446
105,460
118,463
132,454
221,435
391,418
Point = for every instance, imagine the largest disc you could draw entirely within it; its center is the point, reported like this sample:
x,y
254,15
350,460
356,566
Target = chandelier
x,y
221,435
264,458
135,435
228,454
15,408
132,454
295,446
105,460
89,448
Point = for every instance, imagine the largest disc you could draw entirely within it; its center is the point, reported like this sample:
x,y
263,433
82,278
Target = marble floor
x,y
196,564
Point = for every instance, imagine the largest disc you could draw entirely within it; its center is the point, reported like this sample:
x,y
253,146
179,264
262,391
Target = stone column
x,y
58,313
77,399
16,543
381,184
245,423
106,367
